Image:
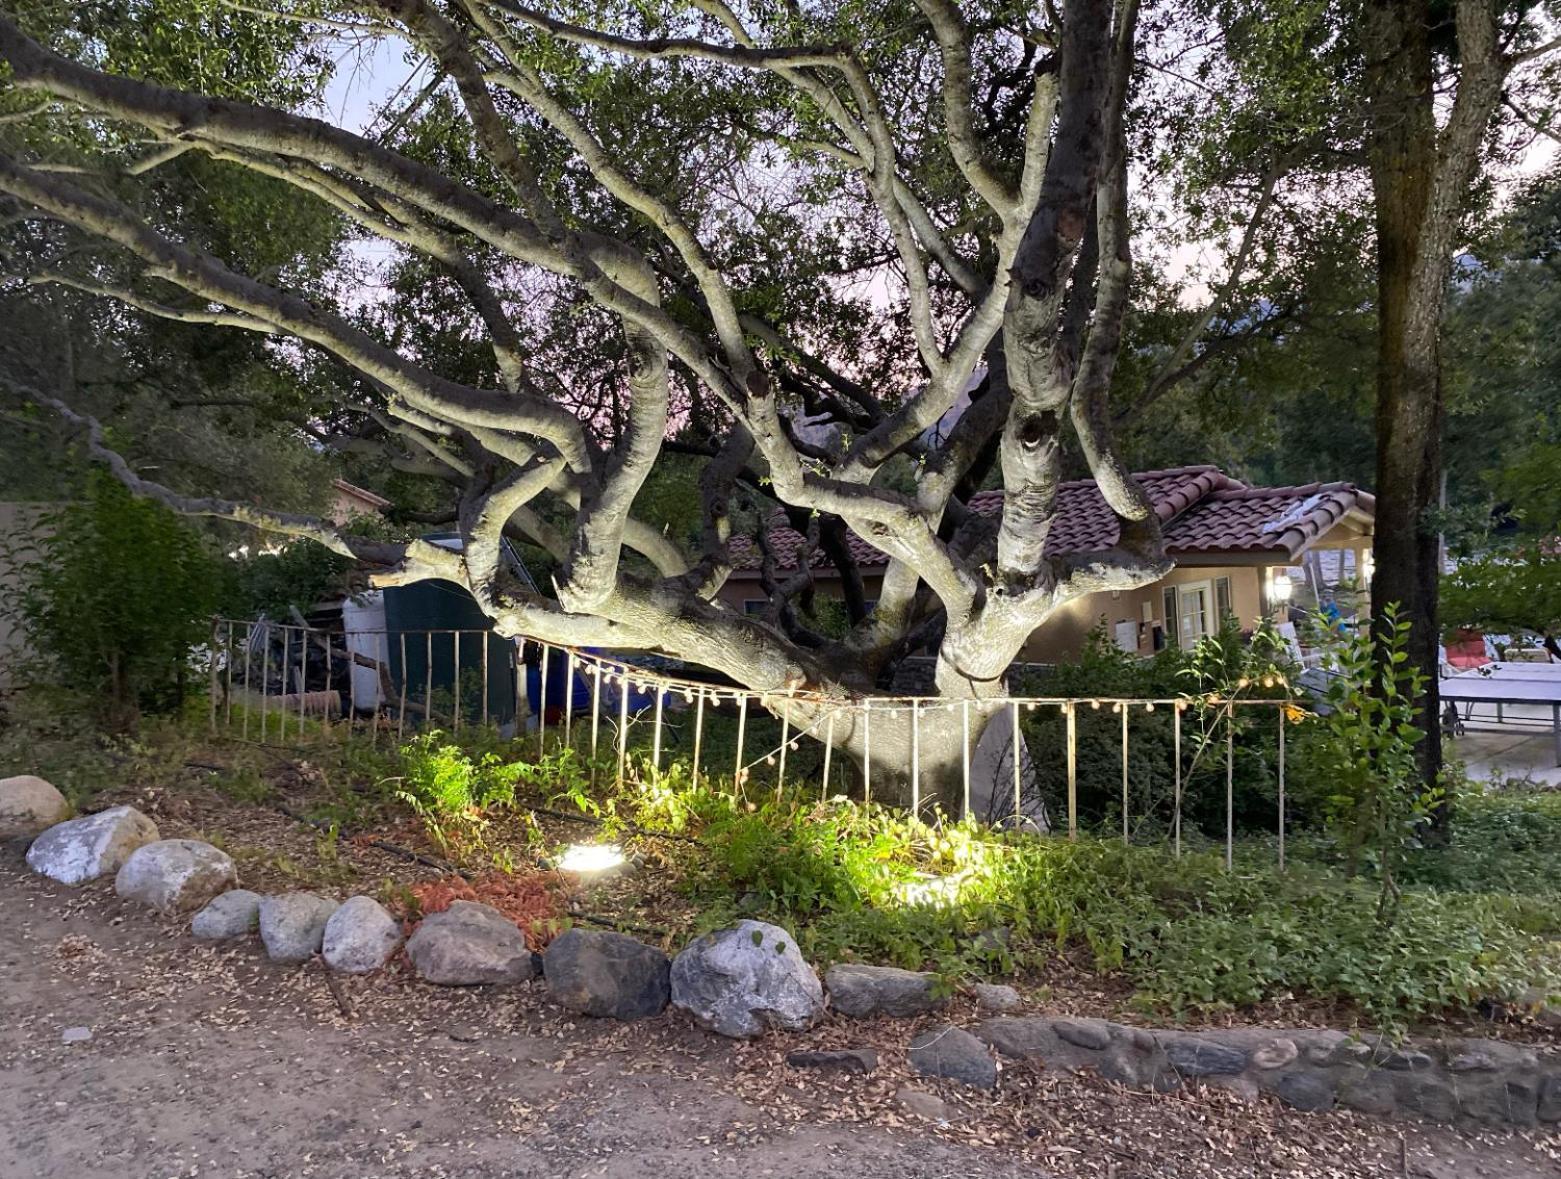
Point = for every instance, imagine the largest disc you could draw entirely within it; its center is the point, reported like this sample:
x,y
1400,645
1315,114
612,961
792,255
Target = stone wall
x,y
1309,1069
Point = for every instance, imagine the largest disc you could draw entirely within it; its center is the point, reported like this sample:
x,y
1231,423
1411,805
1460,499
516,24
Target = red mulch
x,y
535,902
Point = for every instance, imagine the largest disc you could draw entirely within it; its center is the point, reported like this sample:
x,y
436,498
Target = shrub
x,y
116,594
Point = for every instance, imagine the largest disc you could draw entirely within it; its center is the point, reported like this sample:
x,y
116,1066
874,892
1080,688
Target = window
x,y
1222,602
755,605
1190,610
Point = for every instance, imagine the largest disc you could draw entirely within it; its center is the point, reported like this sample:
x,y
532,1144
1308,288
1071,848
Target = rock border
x,y
1307,1069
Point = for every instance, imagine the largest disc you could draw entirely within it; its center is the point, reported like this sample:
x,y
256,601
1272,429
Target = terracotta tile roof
x,y
1203,511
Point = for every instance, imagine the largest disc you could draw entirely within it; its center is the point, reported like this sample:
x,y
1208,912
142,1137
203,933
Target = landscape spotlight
x,y
590,857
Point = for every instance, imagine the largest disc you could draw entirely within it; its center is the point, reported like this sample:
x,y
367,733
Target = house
x,y
349,500
1237,549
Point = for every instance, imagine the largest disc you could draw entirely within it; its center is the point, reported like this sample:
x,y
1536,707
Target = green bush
x,y
117,592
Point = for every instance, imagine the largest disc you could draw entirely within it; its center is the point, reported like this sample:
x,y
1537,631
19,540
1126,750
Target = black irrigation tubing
x,y
631,828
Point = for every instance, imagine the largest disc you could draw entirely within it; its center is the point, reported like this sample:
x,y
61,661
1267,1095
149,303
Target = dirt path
x,y
213,1062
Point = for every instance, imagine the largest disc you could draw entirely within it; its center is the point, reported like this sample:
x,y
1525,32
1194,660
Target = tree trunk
x,y
1420,176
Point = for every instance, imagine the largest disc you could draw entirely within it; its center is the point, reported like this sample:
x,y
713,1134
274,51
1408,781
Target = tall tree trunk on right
x,y
1420,176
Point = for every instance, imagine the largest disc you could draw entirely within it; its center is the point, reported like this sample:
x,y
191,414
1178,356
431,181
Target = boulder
x,y
175,875
235,913
1094,1034
80,850
292,925
997,999
596,972
845,1060
954,1053
739,981
28,806
862,991
925,1105
1304,1091
360,936
470,944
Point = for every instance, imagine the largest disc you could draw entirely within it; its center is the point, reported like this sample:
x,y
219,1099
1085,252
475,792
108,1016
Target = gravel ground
x,y
213,1062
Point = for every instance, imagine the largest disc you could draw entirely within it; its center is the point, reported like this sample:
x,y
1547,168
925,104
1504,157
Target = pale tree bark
x,y
1045,317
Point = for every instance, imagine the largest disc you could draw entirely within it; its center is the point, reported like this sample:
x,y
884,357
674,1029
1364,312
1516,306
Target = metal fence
x,y
292,683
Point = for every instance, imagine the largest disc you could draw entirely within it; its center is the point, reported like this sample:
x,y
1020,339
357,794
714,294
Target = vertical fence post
x,y
699,736
428,681
1281,787
1123,706
303,676
780,774
916,759
1017,750
265,684
249,688
455,680
1176,797
569,700
964,749
829,748
485,641
1073,768
227,695
742,726
867,752
211,675
655,745
597,677
401,711
542,697
1230,787
623,719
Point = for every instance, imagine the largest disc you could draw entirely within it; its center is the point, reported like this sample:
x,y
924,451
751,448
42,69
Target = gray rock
x,y
1368,1093
1550,1099
470,944
1429,1097
80,850
360,937
1084,1033
1277,1053
175,875
1021,1037
739,981
1471,1062
1203,1058
292,925
954,1053
925,1105
845,1060
233,914
28,806
1307,1092
607,974
1492,1099
1406,1060
862,991
997,998
75,1035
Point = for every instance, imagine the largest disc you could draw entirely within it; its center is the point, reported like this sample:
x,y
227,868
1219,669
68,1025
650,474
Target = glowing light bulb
x,y
590,857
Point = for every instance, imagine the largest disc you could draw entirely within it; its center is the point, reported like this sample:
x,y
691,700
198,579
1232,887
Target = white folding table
x,y
1510,683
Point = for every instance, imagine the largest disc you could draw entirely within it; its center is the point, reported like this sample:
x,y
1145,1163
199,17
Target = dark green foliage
x,y
297,575
117,594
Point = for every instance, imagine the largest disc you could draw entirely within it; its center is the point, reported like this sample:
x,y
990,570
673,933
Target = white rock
x,y
742,980
470,944
998,998
360,936
175,875
233,914
84,849
29,805
75,1035
292,925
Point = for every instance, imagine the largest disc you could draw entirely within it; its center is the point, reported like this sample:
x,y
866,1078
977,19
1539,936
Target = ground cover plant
x,y
1477,921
